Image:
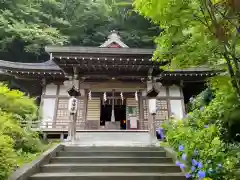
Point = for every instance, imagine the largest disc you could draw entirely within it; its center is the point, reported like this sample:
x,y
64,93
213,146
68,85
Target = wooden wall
x,y
55,103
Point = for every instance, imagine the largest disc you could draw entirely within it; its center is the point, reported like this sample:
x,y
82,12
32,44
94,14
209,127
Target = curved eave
x,y
187,75
45,66
30,70
98,50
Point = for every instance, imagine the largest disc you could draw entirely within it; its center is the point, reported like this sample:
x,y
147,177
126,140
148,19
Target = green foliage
x,y
223,110
16,103
7,156
17,144
196,32
201,100
27,26
209,133
214,157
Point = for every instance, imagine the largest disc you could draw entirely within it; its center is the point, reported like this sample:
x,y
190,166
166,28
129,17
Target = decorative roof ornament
x,y
136,96
90,95
121,95
114,41
105,97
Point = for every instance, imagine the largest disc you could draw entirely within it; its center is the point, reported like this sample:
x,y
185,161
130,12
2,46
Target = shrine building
x,y
113,80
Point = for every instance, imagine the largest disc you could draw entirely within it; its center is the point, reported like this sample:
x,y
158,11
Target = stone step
x,y
113,153
140,167
108,176
107,148
111,159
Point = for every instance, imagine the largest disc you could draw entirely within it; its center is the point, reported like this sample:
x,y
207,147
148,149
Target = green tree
x,y
196,32
27,26
17,144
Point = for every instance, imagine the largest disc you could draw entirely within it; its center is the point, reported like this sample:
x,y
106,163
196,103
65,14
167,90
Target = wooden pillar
x,y
113,113
168,102
151,126
85,104
56,107
182,100
141,111
62,137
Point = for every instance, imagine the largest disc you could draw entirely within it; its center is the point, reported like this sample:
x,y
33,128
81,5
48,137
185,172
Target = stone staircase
x,y
108,163
122,138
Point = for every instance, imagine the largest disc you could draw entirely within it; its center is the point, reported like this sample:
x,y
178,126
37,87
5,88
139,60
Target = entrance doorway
x,y
119,112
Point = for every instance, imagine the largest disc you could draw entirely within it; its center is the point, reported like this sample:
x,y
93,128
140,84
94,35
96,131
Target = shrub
x,y
15,102
24,138
17,144
201,152
204,140
7,156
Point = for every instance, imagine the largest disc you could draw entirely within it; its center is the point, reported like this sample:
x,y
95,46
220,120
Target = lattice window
x,y
80,121
162,104
162,113
62,119
145,109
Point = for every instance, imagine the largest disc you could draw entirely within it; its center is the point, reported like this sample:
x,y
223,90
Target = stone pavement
x,y
139,139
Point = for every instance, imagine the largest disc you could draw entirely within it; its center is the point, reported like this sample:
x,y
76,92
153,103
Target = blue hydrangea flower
x,y
187,175
194,162
201,108
206,126
193,168
160,132
184,157
177,163
201,174
181,148
182,166
200,166
238,29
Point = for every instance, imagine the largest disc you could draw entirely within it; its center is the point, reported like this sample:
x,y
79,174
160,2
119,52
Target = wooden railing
x,y
62,125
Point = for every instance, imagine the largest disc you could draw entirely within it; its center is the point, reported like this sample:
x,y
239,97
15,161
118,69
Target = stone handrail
x,y
33,167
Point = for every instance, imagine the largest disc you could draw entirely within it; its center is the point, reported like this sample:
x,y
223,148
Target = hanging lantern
x,y
105,97
90,95
136,96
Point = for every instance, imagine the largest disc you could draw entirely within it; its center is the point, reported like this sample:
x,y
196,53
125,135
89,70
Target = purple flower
x,y
201,174
206,126
193,168
182,166
200,166
184,157
160,133
187,175
194,162
181,148
177,163
238,29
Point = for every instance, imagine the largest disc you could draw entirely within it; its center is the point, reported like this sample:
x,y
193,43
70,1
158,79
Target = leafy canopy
x,y
27,26
196,32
